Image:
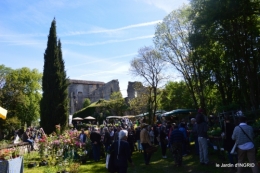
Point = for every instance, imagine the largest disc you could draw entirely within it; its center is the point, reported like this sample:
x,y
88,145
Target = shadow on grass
x,y
191,164
158,165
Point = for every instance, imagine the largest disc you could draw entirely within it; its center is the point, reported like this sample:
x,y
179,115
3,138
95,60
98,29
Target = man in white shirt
x,y
243,135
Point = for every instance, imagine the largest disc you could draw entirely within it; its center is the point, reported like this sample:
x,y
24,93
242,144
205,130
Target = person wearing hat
x,y
145,142
120,154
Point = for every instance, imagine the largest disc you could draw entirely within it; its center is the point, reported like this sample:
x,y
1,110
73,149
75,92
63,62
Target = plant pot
x,y
31,165
83,159
63,171
43,163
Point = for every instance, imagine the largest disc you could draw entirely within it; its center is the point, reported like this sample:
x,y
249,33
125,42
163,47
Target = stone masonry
x,y
79,90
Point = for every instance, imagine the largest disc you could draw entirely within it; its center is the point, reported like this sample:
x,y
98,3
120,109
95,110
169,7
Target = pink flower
x,y
56,142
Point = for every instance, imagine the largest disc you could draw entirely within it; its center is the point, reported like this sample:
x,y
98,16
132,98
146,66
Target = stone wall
x,y
134,89
79,90
105,91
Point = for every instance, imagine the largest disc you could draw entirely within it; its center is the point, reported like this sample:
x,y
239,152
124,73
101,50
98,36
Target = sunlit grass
x,y
191,164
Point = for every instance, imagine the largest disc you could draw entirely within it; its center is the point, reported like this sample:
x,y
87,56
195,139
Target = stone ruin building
x,y
79,90
134,89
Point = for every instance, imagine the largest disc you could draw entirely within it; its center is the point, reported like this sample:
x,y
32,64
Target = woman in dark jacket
x,y
163,141
120,154
137,138
131,140
228,142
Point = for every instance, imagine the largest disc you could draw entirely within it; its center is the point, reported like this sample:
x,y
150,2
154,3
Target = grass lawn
x,y
157,164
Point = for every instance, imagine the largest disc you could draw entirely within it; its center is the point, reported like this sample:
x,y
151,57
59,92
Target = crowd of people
x,y
176,139
173,137
167,135
30,135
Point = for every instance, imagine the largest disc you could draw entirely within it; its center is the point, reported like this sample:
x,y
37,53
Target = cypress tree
x,y
54,103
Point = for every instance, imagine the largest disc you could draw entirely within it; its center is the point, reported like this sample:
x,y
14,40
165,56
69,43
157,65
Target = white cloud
x,y
166,5
96,30
29,41
108,42
100,30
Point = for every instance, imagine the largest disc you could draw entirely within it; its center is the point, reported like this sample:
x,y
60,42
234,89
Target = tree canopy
x,y
20,94
176,95
215,46
225,41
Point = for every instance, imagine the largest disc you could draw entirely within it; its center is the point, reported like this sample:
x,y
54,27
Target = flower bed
x,y
9,153
59,149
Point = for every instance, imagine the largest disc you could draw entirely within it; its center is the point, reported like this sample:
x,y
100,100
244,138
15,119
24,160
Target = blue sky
x,y
99,37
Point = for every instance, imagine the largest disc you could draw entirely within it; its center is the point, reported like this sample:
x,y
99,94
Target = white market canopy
x,y
89,118
114,117
129,116
158,112
179,112
142,115
77,118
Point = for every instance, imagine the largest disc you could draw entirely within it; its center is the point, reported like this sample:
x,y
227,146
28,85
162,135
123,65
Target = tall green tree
x,y
225,40
172,39
54,103
176,95
4,71
20,94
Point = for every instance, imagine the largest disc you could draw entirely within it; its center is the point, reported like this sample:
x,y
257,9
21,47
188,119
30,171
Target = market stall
x,y
178,114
